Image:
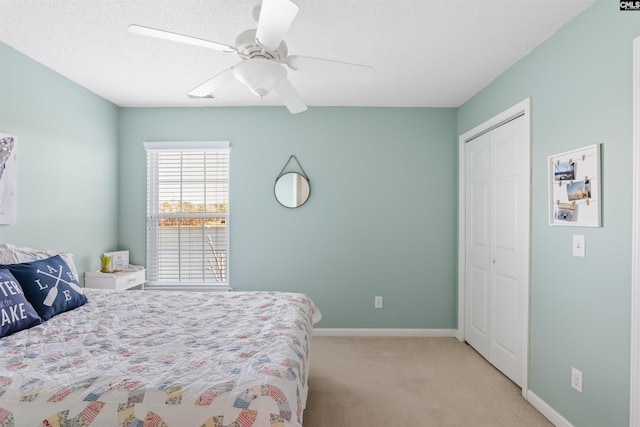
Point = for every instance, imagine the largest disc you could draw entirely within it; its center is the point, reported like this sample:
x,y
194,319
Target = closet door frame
x,y
634,415
522,108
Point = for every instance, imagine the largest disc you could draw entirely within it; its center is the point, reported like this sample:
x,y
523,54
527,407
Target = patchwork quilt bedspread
x,y
175,359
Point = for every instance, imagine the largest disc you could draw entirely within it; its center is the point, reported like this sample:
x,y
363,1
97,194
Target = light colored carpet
x,y
406,382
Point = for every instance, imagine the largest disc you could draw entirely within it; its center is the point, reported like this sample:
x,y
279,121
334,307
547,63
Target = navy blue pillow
x,y
49,285
16,313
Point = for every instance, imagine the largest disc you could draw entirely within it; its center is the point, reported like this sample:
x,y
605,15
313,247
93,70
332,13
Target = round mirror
x,y
292,189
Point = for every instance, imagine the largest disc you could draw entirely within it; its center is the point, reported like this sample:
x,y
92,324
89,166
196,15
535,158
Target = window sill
x,y
204,287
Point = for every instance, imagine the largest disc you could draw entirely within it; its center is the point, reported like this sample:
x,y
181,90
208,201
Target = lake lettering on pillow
x,y
11,312
15,311
49,285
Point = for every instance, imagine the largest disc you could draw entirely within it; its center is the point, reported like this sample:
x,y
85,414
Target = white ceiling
x,y
426,53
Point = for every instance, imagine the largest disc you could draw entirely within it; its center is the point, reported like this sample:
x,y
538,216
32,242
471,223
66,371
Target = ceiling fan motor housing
x,y
249,47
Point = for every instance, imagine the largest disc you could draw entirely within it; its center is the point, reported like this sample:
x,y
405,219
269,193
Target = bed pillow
x,y
12,254
16,313
50,285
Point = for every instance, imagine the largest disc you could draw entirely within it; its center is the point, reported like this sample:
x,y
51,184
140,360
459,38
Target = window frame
x,y
153,215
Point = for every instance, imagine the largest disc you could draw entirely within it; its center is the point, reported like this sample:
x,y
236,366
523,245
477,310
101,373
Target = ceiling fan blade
x,y
289,96
174,37
275,19
213,84
344,70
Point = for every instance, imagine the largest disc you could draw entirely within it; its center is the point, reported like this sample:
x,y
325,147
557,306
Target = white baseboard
x,y
546,410
366,332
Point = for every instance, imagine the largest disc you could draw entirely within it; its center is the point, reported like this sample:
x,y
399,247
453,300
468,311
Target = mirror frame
x,y
282,175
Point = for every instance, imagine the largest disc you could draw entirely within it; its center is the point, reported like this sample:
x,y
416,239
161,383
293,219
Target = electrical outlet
x,y
378,302
576,379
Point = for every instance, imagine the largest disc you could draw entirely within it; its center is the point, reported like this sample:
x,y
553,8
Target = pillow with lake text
x,y
16,313
49,284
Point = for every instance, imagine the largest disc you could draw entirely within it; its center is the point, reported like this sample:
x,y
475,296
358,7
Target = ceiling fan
x,y
264,57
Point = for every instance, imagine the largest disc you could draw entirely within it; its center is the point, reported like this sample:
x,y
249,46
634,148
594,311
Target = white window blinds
x,y
187,215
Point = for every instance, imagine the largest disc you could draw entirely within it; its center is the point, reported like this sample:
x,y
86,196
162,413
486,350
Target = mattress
x,y
175,359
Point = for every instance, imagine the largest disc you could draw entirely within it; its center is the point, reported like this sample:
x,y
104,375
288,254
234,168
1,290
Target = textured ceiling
x,y
432,53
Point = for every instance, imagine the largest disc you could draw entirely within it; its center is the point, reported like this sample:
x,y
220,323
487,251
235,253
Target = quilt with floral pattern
x,y
175,359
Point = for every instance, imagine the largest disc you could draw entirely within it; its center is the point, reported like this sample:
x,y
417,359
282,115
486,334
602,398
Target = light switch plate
x,y
578,245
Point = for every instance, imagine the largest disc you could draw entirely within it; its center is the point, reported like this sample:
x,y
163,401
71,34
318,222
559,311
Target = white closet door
x,y
496,271
478,232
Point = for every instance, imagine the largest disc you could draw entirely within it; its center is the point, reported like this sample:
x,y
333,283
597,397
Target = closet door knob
x,y
493,260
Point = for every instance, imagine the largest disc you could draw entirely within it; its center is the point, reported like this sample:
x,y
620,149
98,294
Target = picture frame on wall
x,y
574,187
8,176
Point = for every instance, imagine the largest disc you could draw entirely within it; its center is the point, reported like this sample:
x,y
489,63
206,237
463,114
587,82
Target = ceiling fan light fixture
x,y
265,57
259,75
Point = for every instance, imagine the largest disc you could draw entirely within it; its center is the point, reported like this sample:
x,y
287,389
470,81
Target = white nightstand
x,y
126,279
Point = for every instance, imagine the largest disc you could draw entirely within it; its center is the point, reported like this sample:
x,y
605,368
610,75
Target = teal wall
x,y
67,151
381,219
580,82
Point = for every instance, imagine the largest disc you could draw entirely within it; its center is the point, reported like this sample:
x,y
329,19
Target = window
x,y
187,215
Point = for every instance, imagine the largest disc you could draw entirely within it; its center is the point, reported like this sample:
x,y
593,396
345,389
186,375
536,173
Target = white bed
x,y
176,359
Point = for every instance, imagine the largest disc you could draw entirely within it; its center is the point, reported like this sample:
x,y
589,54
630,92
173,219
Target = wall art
x,y
574,187
8,179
